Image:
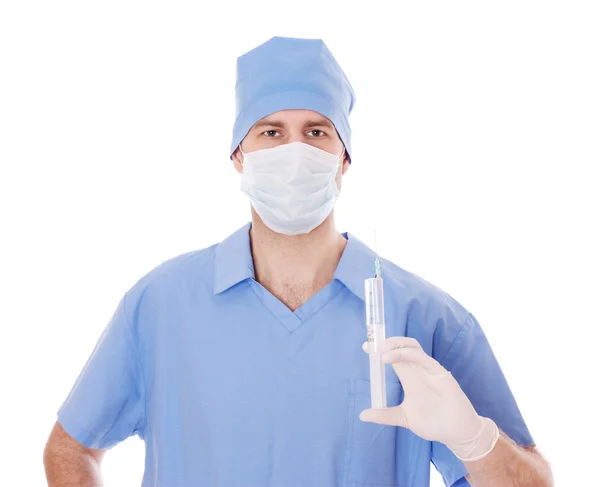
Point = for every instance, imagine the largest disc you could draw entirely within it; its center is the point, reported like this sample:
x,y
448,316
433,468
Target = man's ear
x,y
238,161
346,164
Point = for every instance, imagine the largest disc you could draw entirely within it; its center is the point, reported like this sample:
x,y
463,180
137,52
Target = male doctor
x,y
243,364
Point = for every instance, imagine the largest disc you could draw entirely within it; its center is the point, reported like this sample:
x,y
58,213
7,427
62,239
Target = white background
x,y
476,154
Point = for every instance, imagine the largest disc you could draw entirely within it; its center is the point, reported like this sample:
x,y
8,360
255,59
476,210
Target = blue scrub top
x,y
228,387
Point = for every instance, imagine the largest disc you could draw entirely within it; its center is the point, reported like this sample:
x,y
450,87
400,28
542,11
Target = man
x,y
242,364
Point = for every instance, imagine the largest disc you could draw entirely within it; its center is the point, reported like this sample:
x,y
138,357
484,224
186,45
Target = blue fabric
x,y
462,482
227,386
287,73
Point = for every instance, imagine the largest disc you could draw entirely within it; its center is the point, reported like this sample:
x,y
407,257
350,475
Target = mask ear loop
x,y
243,153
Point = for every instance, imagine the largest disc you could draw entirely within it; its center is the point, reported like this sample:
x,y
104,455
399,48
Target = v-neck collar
x,y
234,264
292,320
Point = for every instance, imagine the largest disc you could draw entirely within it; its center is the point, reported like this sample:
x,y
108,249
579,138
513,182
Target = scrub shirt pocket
x,y
370,457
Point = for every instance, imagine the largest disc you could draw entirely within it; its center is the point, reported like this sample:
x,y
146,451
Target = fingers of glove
x,y
412,355
391,416
392,343
399,343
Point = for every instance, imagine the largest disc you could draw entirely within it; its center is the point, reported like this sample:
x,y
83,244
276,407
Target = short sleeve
x,y
473,364
447,464
106,404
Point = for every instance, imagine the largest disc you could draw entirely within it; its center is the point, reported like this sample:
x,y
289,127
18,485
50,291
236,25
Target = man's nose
x,y
296,137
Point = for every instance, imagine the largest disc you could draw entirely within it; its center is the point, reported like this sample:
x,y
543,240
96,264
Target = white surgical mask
x,y
292,187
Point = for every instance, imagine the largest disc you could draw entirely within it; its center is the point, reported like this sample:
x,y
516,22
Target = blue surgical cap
x,y
287,73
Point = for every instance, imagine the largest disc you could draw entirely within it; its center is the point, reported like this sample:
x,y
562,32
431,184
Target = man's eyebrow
x,y
323,122
270,123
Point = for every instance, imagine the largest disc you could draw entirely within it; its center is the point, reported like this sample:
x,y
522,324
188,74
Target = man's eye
x,y
271,133
316,133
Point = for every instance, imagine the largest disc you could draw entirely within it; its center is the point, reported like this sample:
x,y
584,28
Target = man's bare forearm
x,y
70,464
509,465
71,468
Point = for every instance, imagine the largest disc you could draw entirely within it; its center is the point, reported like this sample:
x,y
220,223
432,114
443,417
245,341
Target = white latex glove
x,y
434,407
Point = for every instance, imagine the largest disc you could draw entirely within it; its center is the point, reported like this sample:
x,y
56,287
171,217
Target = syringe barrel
x,y
375,312
376,336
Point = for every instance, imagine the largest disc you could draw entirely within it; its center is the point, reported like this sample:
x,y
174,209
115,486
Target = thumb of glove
x,y
391,416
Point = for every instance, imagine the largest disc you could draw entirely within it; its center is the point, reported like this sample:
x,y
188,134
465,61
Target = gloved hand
x,y
434,407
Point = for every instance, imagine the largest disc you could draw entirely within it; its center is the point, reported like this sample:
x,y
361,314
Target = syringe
x,y
376,336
